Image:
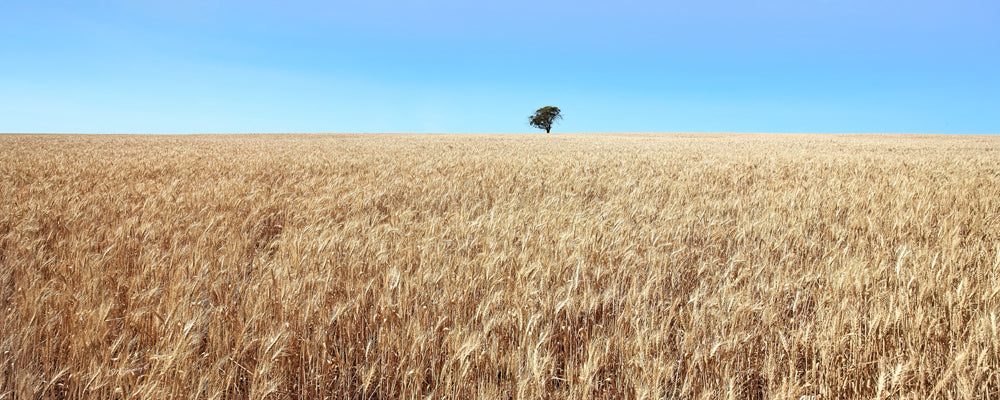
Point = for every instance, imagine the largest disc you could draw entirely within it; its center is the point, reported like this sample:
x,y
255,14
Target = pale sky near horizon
x,y
189,66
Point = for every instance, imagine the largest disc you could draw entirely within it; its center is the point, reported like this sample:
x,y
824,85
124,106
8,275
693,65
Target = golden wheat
x,y
499,266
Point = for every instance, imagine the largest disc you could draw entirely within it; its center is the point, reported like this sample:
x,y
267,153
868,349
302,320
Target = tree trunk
x,y
547,130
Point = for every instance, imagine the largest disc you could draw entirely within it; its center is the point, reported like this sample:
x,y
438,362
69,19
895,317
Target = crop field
x,y
677,266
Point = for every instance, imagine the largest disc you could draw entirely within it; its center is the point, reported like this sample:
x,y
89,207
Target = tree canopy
x,y
545,117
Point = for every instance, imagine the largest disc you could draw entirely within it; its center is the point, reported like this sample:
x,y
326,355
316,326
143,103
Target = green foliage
x,y
545,117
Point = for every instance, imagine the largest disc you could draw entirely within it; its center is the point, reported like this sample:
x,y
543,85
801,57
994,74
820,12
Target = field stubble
x,y
499,266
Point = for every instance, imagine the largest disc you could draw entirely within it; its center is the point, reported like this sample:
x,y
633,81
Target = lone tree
x,y
545,117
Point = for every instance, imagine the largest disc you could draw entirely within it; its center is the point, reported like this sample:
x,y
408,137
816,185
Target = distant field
x,y
499,266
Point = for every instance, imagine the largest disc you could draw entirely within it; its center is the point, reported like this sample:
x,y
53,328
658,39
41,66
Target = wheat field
x,y
675,266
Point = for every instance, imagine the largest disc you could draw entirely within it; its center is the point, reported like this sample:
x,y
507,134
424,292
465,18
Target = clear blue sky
x,y
185,66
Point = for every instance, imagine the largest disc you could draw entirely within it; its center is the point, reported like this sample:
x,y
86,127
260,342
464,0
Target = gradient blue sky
x,y
187,66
